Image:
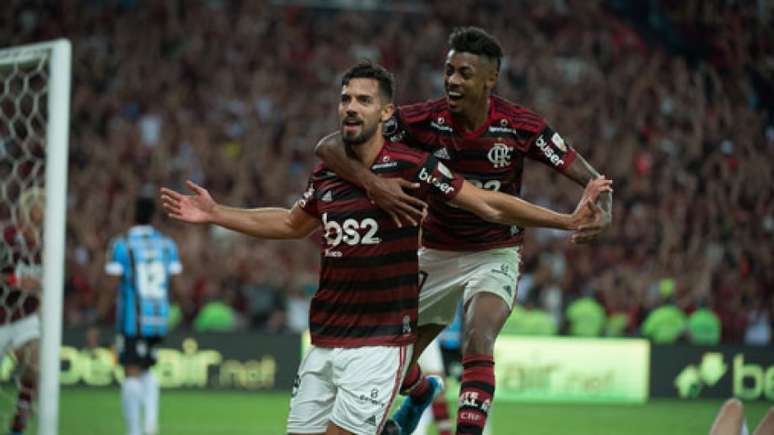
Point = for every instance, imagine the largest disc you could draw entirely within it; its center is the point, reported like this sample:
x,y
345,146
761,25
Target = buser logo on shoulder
x,y
434,181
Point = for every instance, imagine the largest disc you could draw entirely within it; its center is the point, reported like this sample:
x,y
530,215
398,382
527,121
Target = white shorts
x,y
351,387
445,276
16,334
431,359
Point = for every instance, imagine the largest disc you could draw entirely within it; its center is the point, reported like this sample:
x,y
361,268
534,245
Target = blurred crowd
x,y
234,94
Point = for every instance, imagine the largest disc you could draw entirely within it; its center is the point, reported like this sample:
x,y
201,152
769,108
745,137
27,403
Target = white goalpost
x,y
34,129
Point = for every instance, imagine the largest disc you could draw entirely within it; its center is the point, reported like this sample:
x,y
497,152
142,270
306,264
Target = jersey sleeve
x,y
118,258
174,267
549,148
435,179
308,201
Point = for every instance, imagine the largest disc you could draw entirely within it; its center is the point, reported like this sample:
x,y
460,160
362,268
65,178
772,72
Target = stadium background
x,y
671,100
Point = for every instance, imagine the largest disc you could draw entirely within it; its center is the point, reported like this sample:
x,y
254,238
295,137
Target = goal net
x,y
34,118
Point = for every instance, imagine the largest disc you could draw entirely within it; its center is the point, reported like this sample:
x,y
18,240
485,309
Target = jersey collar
x,y
477,132
141,230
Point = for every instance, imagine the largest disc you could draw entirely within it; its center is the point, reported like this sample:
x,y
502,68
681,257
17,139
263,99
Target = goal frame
x,y
59,53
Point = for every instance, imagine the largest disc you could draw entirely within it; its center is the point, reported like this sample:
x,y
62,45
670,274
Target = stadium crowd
x,y
234,95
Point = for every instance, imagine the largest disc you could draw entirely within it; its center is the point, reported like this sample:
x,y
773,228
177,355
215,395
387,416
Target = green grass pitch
x,y
98,412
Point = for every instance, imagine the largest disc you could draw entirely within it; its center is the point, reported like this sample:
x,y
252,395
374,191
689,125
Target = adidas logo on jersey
x,y
442,154
327,197
371,420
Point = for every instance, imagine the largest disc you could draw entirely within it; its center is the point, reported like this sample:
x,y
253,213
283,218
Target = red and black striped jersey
x,y
491,157
19,259
368,290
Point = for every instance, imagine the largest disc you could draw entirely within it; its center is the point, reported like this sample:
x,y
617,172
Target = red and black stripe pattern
x,y
20,258
476,394
368,292
491,157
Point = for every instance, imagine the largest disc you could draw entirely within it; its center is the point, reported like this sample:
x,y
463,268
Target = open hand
x,y
196,209
389,195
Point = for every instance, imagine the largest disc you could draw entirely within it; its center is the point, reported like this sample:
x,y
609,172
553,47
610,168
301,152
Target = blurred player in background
x,y
20,259
364,313
141,264
485,139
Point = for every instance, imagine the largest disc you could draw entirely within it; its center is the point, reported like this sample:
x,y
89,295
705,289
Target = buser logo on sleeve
x,y
434,181
549,152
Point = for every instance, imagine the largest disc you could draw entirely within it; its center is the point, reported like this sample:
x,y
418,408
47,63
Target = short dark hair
x,y
476,40
369,70
144,208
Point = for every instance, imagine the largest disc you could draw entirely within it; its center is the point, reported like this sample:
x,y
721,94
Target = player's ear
x,y
387,111
491,80
491,74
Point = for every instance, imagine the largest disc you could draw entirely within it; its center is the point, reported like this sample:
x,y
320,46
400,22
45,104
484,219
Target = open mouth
x,y
351,124
454,96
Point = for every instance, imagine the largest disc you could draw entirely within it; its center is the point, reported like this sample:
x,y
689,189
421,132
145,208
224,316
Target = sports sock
x,y
23,406
476,393
415,384
441,415
131,396
150,387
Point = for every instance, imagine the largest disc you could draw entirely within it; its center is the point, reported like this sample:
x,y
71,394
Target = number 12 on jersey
x,y
151,280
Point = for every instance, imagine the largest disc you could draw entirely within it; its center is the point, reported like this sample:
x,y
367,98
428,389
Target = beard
x,y
351,139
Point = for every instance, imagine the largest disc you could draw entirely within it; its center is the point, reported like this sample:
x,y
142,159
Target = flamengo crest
x,y
500,155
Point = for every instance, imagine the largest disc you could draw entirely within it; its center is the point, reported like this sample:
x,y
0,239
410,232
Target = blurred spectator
x,y
673,103
585,317
704,327
759,324
216,316
667,323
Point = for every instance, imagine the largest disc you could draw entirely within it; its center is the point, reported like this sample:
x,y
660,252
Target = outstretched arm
x,y
264,223
386,193
510,210
582,172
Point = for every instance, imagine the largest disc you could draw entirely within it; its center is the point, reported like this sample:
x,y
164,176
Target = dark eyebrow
x,y
357,96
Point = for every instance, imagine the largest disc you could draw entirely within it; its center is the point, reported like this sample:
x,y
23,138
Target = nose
x,y
454,80
350,107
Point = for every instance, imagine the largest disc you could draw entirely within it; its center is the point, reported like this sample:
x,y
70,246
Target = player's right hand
x,y
197,208
389,195
588,214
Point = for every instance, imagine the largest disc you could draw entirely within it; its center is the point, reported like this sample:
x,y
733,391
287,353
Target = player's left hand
x,y
600,219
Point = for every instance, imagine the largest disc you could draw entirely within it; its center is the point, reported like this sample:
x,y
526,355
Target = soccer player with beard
x,y
22,270
363,316
485,139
